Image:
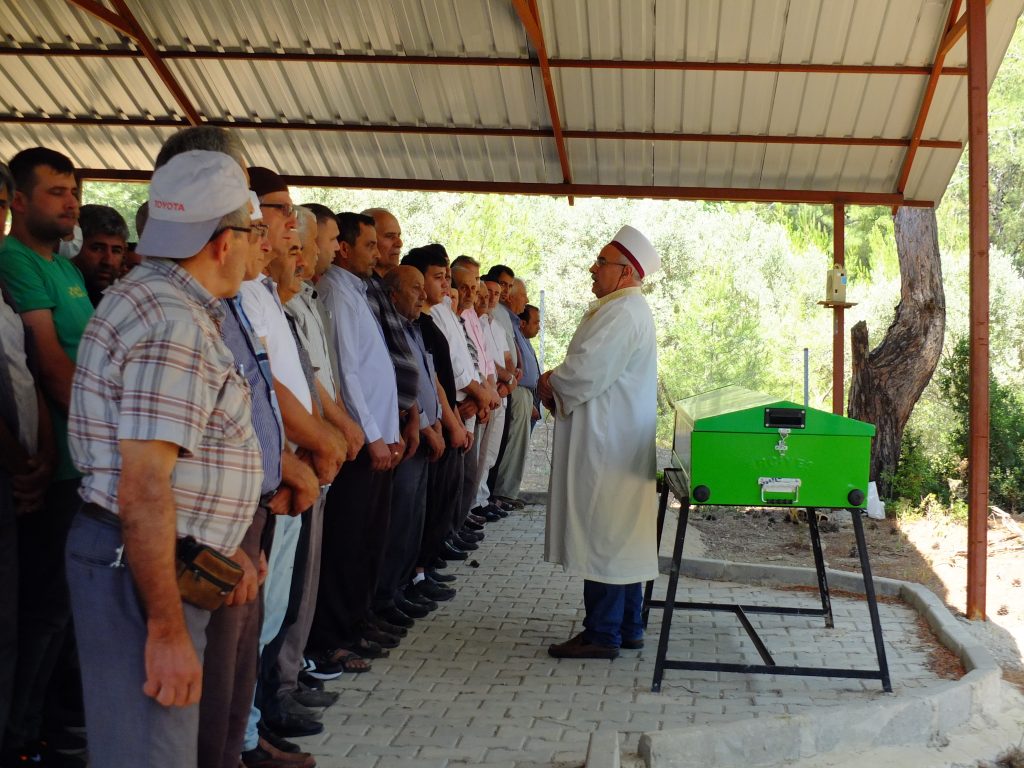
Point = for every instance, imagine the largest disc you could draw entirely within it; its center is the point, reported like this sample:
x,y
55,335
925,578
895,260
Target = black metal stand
x,y
674,483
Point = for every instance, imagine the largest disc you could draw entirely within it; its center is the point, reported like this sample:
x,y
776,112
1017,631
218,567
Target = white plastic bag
x,y
876,507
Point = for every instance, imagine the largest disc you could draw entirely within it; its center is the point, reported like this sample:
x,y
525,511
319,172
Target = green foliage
x,y
125,198
917,475
1006,428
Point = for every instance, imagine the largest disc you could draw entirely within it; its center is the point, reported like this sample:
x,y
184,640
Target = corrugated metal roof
x,y
478,95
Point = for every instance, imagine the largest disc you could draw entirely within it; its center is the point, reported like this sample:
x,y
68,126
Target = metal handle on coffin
x,y
779,485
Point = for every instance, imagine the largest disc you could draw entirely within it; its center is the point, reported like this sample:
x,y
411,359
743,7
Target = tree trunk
x,y
887,382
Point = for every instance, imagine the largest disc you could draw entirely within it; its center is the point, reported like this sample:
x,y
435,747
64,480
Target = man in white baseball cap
x,y
601,505
160,427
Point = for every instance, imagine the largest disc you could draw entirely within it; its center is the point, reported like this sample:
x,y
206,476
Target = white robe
x,y
602,505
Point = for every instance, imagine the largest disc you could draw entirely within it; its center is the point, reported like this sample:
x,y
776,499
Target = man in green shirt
x,y
49,293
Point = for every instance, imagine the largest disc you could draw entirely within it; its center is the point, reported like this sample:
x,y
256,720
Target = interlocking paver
x,y
473,686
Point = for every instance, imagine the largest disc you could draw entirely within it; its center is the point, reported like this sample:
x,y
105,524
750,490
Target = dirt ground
x,y
925,550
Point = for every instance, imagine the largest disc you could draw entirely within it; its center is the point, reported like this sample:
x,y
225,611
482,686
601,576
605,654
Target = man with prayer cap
x,y
601,509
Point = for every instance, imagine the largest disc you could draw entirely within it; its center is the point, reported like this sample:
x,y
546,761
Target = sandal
x,y
367,649
350,661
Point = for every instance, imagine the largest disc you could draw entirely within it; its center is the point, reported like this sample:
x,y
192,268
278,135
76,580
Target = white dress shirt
x,y
263,308
462,364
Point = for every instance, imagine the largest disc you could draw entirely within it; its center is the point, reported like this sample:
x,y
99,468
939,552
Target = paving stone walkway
x,y
472,685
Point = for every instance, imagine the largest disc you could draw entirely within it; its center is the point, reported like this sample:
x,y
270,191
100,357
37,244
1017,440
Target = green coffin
x,y
744,448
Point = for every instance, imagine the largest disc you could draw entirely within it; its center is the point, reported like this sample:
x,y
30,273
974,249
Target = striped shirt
x,y
406,370
252,362
152,366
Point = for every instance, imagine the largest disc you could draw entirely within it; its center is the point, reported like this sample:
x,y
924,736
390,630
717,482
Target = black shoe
x,y
495,509
385,626
433,591
294,726
315,699
478,519
309,682
467,535
322,668
440,578
451,553
487,514
414,596
394,617
374,635
409,608
472,526
439,562
461,543
276,741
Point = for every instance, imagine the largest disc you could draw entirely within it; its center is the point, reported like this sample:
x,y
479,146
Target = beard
x,y
49,229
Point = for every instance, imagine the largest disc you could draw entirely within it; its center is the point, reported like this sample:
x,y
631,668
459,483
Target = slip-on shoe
x,y
293,726
578,648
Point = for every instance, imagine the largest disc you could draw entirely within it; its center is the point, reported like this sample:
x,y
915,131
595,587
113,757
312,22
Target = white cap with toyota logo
x,y
188,196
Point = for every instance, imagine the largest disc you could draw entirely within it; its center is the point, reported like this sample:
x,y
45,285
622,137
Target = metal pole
x,y
540,310
978,453
838,320
807,377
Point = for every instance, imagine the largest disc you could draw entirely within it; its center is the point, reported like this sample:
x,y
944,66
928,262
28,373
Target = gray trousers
x,y
229,668
126,727
470,477
513,461
290,656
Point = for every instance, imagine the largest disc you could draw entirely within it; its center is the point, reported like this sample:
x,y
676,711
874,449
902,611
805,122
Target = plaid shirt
x,y
152,366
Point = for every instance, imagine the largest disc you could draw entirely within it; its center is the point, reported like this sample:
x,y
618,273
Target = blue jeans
x,y
613,612
276,590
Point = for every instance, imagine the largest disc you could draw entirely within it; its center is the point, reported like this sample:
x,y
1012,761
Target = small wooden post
x,y
838,311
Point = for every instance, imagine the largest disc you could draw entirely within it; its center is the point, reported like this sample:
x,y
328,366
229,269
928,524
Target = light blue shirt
x,y
366,375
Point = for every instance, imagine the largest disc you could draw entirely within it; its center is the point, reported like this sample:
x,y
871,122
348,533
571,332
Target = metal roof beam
x,y
447,130
104,14
319,57
530,18
955,33
124,21
721,194
926,100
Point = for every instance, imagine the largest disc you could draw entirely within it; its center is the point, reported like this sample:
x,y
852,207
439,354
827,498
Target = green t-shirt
x,y
35,283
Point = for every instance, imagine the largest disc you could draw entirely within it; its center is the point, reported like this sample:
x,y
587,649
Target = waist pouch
x,y
205,576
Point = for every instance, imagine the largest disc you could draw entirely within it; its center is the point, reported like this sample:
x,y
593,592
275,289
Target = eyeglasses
x,y
257,232
601,261
286,209
219,232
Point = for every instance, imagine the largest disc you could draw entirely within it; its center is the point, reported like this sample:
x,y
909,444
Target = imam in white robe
x,y
602,505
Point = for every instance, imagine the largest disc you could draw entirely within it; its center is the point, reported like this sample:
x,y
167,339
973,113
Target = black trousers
x,y
44,608
444,485
405,534
356,519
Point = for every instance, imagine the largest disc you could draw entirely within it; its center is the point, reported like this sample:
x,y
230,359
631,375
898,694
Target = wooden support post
x,y
838,312
978,453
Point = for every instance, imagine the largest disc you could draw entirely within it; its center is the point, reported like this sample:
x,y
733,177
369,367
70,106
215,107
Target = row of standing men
x,y
274,394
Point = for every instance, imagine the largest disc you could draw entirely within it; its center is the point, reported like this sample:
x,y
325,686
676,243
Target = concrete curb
x,y
913,718
603,750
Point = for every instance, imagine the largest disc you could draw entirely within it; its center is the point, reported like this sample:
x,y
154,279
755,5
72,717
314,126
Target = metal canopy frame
x,y
972,23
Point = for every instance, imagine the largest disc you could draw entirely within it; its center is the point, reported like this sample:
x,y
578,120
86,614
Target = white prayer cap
x,y
638,250
257,211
